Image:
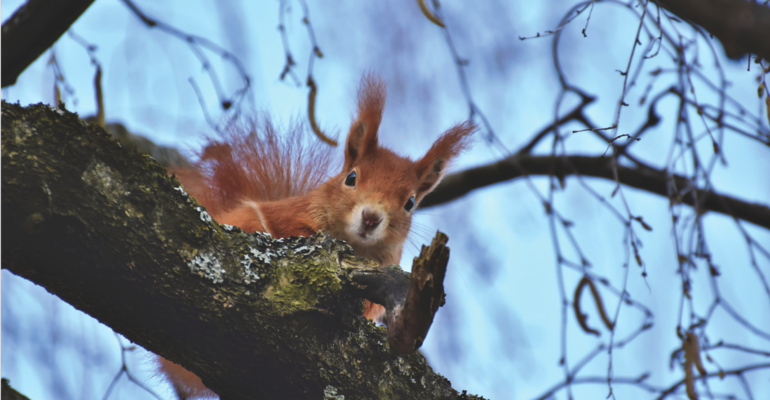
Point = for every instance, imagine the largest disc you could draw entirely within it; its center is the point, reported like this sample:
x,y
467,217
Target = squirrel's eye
x,y
409,204
351,179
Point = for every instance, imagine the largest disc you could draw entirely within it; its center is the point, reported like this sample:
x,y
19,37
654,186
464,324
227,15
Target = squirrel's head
x,y
378,191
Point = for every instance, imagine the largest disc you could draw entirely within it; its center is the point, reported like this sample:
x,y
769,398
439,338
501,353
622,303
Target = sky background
x,y
499,334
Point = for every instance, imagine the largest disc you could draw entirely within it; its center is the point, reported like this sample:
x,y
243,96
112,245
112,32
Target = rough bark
x,y
106,230
32,29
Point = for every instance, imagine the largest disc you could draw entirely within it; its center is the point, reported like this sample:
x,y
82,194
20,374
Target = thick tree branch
x,y
651,180
32,29
107,231
8,393
742,26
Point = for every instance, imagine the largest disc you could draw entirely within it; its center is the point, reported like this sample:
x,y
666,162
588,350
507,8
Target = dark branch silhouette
x,y
9,393
742,26
32,29
648,179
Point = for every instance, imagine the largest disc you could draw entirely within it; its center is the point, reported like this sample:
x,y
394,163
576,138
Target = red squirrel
x,y
260,183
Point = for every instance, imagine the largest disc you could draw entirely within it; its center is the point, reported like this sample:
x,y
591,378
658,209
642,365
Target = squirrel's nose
x,y
371,218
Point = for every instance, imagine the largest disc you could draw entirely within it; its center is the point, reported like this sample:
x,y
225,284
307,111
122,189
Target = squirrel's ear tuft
x,y
431,168
362,138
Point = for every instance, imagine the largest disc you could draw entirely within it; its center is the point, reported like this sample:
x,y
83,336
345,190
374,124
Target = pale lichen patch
x,y
330,393
20,135
249,275
205,217
303,250
57,110
181,190
207,266
105,180
405,369
263,256
133,212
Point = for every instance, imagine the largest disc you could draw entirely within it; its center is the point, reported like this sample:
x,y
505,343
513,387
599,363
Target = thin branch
x,y
197,46
722,345
720,375
124,370
648,179
638,382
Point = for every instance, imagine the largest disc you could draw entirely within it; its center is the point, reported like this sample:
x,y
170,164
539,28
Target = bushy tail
x,y
186,384
251,160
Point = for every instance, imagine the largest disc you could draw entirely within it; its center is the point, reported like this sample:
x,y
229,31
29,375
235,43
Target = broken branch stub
x,y
412,301
408,324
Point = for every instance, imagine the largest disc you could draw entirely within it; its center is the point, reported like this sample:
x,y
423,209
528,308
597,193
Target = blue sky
x,y
499,335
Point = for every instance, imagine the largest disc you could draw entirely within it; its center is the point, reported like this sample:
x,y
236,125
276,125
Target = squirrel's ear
x,y
362,138
431,168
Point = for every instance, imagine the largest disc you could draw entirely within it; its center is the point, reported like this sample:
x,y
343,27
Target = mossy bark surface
x,y
106,230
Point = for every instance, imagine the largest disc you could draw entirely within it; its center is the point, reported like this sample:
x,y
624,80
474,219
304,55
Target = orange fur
x,y
252,161
262,183
186,384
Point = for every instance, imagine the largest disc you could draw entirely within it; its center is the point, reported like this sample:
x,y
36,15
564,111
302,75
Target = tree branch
x,y
651,180
8,393
106,230
425,296
32,29
742,26
719,374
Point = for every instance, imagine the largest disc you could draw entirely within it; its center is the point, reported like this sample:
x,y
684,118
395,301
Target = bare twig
x,y
124,371
198,46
